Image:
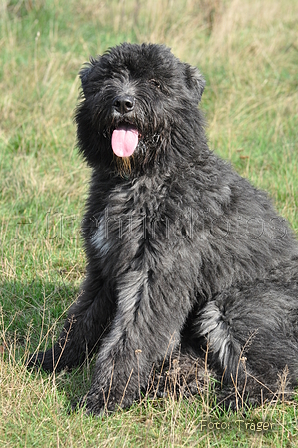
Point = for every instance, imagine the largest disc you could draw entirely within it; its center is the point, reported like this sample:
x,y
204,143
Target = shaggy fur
x,y
183,255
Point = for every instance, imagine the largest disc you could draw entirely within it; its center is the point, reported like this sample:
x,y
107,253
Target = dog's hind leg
x,y
253,337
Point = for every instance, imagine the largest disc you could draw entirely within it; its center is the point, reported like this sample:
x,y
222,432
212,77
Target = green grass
x,y
248,52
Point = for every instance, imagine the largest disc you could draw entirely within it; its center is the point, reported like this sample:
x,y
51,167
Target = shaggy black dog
x,y
183,255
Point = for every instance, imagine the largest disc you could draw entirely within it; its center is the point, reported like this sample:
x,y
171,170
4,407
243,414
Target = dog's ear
x,y
195,82
85,73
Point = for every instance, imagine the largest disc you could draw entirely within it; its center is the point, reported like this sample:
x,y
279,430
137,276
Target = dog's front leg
x,y
85,326
145,330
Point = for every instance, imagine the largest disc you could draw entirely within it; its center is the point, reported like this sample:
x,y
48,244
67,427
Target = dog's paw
x,y
92,404
44,360
98,403
89,407
37,360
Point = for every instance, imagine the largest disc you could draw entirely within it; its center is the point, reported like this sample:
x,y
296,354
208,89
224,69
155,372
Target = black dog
x,y
182,251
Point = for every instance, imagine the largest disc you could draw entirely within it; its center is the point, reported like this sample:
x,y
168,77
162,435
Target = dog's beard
x,y
124,165
143,157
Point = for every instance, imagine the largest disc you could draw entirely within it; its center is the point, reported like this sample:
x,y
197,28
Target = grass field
x,y
248,52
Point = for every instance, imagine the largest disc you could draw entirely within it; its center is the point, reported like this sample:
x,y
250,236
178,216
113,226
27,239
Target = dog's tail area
x,y
252,336
224,349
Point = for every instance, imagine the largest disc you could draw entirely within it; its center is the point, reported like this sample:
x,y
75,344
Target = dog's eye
x,y
155,83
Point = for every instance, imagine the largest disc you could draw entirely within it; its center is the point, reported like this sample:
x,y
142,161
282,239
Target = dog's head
x,y
134,99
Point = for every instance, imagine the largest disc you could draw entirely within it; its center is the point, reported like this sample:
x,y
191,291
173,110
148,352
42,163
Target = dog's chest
x,y
121,229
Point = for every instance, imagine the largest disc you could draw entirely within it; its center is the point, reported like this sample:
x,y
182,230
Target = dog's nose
x,y
123,104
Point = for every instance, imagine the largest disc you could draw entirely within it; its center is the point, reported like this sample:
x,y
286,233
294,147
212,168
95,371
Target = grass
x,y
248,52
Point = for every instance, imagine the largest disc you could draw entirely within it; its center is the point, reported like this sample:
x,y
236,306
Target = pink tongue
x,y
124,141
